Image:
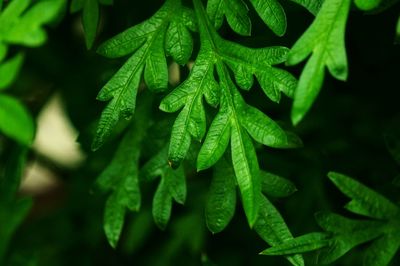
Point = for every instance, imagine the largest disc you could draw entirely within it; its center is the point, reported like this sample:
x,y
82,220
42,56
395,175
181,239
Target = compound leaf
x,y
147,43
122,178
172,186
22,25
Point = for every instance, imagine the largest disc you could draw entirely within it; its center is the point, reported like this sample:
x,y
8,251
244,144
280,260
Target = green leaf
x,y
211,78
325,40
176,182
178,42
383,249
246,62
15,121
12,212
76,5
367,4
191,121
11,216
114,216
235,12
90,17
265,131
9,70
272,13
162,205
301,244
3,51
171,186
19,25
146,43
341,244
216,141
10,176
90,20
338,224
156,166
271,227
312,5
245,163
221,201
276,186
392,142
364,201
122,178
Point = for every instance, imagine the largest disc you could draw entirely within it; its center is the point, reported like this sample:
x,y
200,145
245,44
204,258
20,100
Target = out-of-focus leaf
x,y
122,176
221,202
276,186
90,17
15,121
271,227
364,201
9,70
22,25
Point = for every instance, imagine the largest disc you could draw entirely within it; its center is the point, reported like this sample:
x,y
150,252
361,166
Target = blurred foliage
x,y
349,129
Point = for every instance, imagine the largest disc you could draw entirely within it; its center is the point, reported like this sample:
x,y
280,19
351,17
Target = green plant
x,y
189,102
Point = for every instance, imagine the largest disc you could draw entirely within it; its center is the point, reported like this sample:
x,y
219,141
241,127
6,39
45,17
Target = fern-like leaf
x,y
232,123
123,179
165,33
172,186
342,234
22,24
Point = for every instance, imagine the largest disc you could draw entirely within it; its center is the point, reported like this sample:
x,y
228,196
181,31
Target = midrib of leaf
x,y
208,33
222,71
229,7
270,7
321,48
197,91
192,99
327,35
